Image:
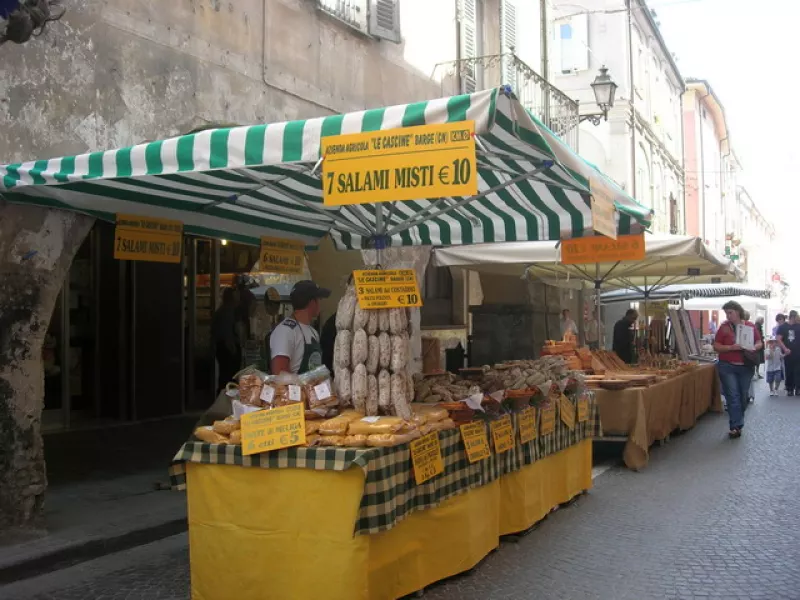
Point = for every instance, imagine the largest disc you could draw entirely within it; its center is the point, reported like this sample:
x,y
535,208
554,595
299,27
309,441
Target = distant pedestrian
x,y
780,319
735,367
760,327
568,326
594,326
789,341
622,342
774,366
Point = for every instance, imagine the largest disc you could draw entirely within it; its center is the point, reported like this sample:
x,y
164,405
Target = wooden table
x,y
644,415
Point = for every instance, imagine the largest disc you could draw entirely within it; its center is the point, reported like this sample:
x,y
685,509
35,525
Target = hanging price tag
x,y
527,425
567,411
583,409
426,456
476,444
547,422
502,434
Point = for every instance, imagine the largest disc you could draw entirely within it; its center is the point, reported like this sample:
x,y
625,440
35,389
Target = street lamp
x,y
604,89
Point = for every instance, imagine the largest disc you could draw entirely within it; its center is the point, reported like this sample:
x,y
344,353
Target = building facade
x,y
640,143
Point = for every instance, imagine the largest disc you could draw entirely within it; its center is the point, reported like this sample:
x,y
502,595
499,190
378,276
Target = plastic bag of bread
x,y
346,310
392,439
288,390
373,425
208,435
318,388
312,427
317,414
331,440
338,425
432,412
250,387
355,441
226,427
235,437
312,440
442,425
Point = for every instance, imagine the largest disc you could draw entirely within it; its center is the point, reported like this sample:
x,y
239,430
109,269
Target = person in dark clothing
x,y
327,339
623,336
789,341
760,328
226,341
246,307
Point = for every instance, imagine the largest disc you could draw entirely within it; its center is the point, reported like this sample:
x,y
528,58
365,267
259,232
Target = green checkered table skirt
x,y
390,492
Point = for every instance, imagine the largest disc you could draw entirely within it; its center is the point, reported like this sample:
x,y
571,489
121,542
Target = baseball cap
x,y
305,291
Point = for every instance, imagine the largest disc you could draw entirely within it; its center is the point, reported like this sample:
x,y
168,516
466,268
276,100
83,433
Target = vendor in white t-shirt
x,y
294,344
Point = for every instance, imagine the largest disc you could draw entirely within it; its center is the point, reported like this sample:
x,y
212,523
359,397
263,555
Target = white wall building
x,y
640,145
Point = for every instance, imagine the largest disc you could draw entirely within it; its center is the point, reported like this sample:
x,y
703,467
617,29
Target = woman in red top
x,y
735,371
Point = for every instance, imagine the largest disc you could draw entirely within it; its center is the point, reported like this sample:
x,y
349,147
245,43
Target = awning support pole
x,y
601,332
463,202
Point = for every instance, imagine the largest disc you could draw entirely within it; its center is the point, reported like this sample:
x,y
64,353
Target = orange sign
x,y
600,249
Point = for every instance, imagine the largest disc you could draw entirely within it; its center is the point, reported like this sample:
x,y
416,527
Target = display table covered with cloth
x,y
648,414
347,523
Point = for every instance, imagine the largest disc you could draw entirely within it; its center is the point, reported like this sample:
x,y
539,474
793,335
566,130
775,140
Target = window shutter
x,y
508,41
573,37
469,44
384,20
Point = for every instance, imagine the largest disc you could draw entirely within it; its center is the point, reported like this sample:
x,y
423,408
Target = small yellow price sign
x,y
148,239
502,434
281,256
547,423
387,289
527,425
267,430
426,456
567,411
583,409
476,444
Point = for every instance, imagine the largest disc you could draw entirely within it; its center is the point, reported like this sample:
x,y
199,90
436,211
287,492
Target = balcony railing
x,y
550,105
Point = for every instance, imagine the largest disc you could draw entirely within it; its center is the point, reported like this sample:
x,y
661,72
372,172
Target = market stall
x,y
288,498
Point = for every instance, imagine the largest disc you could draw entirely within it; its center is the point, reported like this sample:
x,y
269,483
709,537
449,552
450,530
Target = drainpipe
x,y
459,78
545,42
629,14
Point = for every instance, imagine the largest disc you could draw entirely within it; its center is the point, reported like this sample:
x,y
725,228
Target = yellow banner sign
x,y
387,289
148,239
527,425
409,163
600,249
567,411
583,410
547,423
426,456
281,256
502,434
267,430
476,444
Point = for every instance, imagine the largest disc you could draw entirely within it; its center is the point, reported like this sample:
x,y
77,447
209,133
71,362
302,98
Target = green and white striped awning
x,y
242,183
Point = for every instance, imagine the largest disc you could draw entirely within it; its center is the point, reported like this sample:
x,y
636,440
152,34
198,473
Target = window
x,y
437,306
508,41
572,43
471,44
378,18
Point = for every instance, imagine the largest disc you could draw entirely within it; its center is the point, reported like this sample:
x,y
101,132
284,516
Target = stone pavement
x,y
709,518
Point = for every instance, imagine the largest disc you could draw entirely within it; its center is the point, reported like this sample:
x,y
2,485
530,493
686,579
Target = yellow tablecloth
x,y
651,413
288,533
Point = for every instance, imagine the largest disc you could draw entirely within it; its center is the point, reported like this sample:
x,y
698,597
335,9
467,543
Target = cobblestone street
x,y
709,518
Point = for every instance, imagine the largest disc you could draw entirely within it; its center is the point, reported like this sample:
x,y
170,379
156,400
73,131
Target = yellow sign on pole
x,y
476,444
148,239
547,423
502,434
408,163
527,425
426,456
281,256
274,429
567,411
387,289
583,409
604,211
599,249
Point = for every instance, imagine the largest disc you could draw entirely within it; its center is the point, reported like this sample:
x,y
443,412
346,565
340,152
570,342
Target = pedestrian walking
x,y
774,366
789,341
735,365
780,319
760,327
